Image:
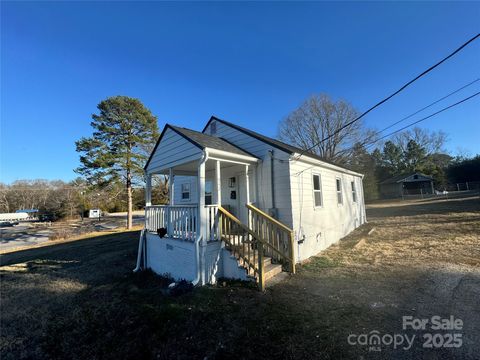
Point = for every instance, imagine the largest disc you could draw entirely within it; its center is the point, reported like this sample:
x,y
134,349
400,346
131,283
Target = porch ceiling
x,y
191,168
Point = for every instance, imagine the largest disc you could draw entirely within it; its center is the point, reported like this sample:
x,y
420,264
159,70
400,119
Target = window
x,y
317,190
213,128
186,191
339,191
208,192
354,192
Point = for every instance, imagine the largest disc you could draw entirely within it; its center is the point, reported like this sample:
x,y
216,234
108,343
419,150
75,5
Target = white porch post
x,y
202,224
201,185
247,184
171,197
148,190
218,183
201,219
247,193
171,186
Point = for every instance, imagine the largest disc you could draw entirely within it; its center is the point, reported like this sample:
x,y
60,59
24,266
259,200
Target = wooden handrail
x,y
271,223
172,206
251,232
268,217
270,245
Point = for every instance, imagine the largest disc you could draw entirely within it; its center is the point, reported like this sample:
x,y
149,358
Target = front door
x,y
231,197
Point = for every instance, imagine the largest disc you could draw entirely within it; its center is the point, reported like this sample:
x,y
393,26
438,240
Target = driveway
x,y
33,233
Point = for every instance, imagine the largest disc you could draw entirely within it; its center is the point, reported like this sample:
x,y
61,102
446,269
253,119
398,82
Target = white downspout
x,y
140,251
199,241
197,261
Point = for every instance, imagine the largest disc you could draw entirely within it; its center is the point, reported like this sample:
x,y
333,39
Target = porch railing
x,y
212,222
278,237
244,244
179,220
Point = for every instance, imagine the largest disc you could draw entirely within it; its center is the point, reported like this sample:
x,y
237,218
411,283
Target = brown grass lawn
x,y
80,300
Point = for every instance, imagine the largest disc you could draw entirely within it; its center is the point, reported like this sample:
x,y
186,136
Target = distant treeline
x,y
62,199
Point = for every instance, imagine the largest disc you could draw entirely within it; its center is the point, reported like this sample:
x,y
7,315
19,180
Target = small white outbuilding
x,y
94,213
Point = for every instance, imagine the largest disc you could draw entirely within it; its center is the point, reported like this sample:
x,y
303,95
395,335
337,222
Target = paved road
x,y
28,233
22,235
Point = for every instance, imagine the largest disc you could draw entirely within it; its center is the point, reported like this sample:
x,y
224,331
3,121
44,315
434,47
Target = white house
x,y
244,205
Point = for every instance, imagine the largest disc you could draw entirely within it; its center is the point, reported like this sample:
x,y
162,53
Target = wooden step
x,y
266,260
276,279
271,270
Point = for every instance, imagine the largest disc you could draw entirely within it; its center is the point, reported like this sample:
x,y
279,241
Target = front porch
x,y
197,189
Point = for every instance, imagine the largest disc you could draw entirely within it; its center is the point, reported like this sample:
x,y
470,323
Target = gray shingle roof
x,y
209,141
290,149
399,178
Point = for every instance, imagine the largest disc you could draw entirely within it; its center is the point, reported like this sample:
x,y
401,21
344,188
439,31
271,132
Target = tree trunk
x,y
129,200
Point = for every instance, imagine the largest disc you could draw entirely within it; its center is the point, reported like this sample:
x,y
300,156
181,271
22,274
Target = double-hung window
x,y
317,190
354,192
208,192
186,191
339,191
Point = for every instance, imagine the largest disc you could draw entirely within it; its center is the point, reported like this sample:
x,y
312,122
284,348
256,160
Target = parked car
x,y
8,223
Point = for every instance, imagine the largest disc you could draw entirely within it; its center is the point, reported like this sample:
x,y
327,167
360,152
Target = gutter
x,y
307,159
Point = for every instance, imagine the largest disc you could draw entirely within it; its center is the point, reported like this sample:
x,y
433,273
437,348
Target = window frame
x,y
209,194
354,191
182,191
339,179
319,190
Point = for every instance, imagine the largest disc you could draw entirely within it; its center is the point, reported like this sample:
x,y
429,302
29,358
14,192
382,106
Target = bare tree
x,y
320,117
431,141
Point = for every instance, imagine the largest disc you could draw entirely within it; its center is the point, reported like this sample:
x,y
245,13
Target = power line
x,y
411,124
367,140
426,117
392,95
418,111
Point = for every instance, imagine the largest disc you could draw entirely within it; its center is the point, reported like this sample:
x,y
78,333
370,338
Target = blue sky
x,y
250,63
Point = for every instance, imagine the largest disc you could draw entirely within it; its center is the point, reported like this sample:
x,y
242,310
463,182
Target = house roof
x,y
402,177
209,141
290,149
201,141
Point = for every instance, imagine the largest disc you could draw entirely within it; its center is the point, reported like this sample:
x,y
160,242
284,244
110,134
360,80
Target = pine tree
x,y
123,133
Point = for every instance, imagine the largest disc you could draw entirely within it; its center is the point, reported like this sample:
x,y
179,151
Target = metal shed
x,y
407,184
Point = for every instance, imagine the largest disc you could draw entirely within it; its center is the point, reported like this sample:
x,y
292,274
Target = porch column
x,y
148,190
201,219
202,223
171,186
218,183
247,192
247,184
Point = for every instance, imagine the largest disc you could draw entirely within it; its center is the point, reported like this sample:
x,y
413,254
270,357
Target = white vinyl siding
x,y
172,150
320,227
317,190
281,175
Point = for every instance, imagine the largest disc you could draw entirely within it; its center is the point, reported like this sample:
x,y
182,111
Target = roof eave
x,y
229,155
308,159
